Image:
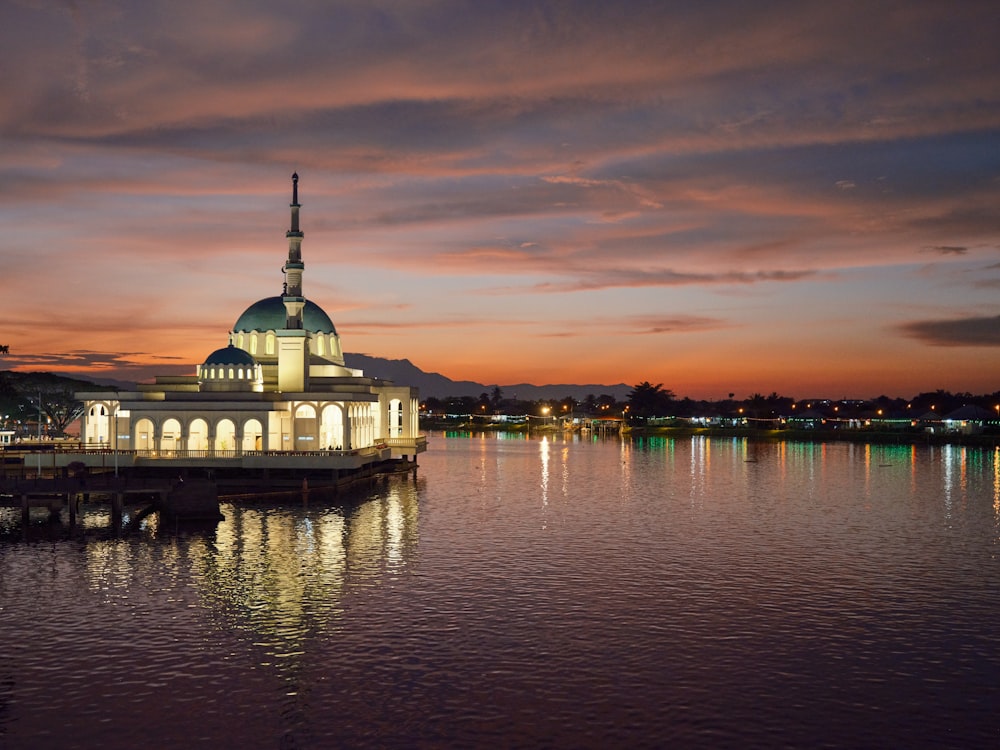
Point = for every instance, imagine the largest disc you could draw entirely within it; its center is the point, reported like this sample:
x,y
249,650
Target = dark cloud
x,y
90,365
633,325
645,325
958,332
663,278
949,249
407,324
80,359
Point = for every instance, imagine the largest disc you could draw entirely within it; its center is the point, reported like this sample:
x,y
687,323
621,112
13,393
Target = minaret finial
x,y
295,188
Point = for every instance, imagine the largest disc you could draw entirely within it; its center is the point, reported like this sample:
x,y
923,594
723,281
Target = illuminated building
x,y
278,389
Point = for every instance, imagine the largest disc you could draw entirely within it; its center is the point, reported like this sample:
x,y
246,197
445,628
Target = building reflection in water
x,y
543,449
274,575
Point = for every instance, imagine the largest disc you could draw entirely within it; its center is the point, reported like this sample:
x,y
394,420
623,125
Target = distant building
x,y
279,386
968,420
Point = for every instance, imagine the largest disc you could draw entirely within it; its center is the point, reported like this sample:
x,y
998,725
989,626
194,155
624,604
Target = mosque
x,y
278,392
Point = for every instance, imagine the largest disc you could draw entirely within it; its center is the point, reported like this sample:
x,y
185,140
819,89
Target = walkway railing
x,y
212,453
407,442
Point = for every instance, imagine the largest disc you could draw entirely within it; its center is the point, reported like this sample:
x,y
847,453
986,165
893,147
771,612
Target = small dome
x,y
269,315
230,369
230,355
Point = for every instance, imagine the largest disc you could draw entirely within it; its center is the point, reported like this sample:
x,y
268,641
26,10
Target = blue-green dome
x,y
230,355
269,315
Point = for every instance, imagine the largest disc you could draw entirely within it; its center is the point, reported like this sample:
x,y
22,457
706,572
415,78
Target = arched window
x,y
170,435
304,429
332,427
253,435
395,418
225,435
198,435
144,435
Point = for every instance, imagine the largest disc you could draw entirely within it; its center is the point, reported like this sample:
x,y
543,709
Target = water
x,y
531,592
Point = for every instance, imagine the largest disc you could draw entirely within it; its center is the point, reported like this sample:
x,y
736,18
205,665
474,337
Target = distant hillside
x,y
432,384
404,372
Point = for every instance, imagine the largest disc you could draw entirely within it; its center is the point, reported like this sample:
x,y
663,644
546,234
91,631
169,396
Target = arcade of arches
x,y
315,426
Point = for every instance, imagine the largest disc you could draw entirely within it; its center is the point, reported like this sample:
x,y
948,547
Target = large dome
x,y
269,315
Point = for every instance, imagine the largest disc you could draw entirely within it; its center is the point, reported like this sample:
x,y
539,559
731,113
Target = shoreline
x,y
979,440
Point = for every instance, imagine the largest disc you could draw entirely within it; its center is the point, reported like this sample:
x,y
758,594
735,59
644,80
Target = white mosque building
x,y
278,390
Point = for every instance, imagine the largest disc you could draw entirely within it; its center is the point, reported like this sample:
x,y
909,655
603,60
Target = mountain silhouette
x,y
432,384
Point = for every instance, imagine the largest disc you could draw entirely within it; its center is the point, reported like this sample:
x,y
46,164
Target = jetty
x,y
191,500
182,485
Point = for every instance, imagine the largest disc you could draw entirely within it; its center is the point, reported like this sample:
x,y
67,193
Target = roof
x,y
230,355
973,412
269,315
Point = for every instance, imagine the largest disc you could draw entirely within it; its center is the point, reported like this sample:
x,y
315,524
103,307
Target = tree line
x,y
42,399
646,401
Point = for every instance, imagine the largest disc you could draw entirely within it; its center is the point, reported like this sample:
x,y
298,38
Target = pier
x,y
178,498
183,485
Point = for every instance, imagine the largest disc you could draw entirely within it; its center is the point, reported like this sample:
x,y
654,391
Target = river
x,y
530,592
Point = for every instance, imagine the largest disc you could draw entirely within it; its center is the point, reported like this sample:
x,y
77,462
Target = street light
x,y
39,449
114,417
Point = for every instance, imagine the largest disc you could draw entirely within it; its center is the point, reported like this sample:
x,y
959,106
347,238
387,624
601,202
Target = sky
x,y
719,197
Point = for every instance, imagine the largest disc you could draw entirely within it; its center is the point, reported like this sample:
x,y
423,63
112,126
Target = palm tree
x,y
648,400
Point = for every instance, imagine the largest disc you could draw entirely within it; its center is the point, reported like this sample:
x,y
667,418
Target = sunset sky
x,y
722,197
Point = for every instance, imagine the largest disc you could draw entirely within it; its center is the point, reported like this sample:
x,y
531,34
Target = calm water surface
x,y
543,592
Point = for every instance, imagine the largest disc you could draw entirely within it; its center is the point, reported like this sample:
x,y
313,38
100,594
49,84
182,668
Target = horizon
x,y
507,395
796,198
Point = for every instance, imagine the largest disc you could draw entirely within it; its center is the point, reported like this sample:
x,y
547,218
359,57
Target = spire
x,y
294,232
292,294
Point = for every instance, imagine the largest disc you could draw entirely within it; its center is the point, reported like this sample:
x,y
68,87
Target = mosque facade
x,y
278,387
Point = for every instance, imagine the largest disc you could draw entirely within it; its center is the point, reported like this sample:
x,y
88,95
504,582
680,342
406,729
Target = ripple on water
x,y
527,593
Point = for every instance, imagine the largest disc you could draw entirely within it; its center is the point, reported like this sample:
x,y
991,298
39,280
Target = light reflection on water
x,y
555,591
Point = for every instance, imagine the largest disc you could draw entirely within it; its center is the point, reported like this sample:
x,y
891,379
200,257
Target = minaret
x,y
292,295
293,341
